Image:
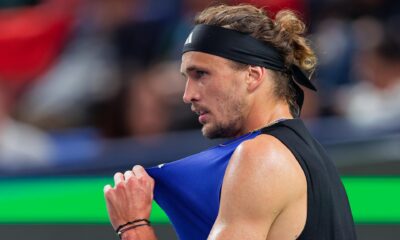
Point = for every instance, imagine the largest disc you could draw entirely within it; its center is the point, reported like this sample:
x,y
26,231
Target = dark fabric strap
x,y
131,222
233,45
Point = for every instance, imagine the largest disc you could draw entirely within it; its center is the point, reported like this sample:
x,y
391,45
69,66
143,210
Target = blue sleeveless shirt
x,y
188,190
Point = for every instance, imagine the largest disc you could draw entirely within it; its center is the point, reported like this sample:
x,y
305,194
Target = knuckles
x,y
120,186
138,168
142,180
128,174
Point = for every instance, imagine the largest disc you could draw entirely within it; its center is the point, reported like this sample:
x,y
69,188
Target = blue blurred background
x,y
90,87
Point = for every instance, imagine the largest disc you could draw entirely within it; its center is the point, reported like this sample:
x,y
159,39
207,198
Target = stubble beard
x,y
229,129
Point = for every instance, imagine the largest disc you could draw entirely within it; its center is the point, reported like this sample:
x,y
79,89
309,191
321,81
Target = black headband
x,y
243,48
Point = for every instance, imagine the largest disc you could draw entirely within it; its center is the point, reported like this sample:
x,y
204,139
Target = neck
x,y
262,116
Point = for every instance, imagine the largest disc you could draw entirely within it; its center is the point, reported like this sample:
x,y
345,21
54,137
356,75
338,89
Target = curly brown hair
x,y
285,33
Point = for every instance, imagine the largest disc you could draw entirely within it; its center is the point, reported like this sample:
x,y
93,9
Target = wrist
x,y
139,233
131,229
132,224
130,235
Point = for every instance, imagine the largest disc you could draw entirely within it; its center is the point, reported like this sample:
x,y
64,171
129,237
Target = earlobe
x,y
255,77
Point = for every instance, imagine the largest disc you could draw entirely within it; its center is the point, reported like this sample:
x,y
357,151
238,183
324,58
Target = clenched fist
x,y
131,197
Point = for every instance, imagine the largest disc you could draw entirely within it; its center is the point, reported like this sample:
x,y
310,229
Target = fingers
x,y
131,197
107,188
139,172
128,174
107,193
143,177
118,178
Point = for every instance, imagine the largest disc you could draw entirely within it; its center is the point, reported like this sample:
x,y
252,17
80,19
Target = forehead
x,y
202,60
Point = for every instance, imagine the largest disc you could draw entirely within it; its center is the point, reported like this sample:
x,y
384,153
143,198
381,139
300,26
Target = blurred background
x,y
91,87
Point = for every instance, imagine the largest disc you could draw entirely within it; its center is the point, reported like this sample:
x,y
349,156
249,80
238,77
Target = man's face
x,y
217,92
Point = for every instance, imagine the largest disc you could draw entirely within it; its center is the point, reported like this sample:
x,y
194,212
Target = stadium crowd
x,y
76,74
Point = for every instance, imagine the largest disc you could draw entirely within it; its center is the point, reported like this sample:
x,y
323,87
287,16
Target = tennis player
x,y
272,180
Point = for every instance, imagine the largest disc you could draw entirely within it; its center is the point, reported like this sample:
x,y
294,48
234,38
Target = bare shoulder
x,y
262,180
267,170
265,155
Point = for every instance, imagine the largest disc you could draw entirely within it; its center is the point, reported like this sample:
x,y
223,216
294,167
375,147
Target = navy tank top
x,y
188,190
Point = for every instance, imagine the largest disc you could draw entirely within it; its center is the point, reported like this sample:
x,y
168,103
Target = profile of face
x,y
217,93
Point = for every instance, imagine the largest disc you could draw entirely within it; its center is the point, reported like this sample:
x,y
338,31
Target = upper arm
x,y
260,181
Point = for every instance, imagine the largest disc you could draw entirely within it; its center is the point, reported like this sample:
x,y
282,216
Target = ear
x,y
255,78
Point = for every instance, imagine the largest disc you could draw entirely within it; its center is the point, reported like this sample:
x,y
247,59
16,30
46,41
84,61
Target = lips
x,y
203,114
203,117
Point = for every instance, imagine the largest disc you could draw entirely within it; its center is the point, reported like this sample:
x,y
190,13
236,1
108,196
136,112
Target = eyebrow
x,y
191,69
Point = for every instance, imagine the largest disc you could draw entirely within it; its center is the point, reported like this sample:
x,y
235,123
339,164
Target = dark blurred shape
x,y
18,3
390,47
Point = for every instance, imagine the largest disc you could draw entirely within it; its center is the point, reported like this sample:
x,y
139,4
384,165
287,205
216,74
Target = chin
x,y
215,131
209,131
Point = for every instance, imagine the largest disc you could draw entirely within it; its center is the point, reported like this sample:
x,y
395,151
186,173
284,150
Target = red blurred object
x,y
31,38
274,6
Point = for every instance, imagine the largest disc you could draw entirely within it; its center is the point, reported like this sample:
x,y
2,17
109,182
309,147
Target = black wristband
x,y
132,222
131,227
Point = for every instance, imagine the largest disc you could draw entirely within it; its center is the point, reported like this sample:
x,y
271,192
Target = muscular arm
x,y
261,181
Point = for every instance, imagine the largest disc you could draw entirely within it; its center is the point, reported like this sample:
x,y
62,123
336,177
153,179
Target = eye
x,y
199,74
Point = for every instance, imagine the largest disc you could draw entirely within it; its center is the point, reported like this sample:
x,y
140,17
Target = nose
x,y
190,95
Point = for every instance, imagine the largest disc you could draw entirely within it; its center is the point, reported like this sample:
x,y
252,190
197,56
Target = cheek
x,y
227,100
225,107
